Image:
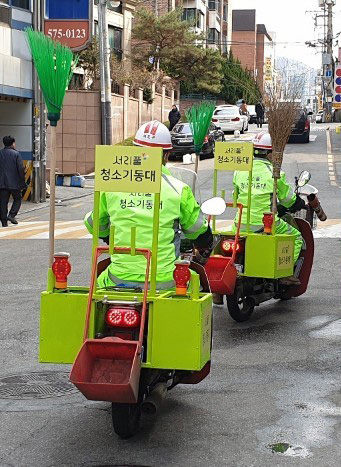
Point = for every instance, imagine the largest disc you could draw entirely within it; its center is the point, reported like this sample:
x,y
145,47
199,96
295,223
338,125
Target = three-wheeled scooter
x,y
127,346
246,267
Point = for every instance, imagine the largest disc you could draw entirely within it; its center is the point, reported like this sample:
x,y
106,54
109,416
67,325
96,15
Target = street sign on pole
x,y
69,22
337,88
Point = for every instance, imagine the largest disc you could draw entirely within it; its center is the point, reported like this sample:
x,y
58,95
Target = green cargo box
x,y
269,256
179,333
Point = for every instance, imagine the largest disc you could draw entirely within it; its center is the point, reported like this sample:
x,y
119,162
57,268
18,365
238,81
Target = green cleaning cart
x,y
246,267
127,346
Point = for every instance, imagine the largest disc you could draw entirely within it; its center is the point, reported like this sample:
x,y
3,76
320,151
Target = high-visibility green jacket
x,y
262,192
179,212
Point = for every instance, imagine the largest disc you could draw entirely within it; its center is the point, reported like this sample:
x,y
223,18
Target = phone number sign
x,y
128,169
69,22
234,156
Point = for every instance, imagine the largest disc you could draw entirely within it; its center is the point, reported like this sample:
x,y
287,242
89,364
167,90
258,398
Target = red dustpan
x,y
108,370
222,274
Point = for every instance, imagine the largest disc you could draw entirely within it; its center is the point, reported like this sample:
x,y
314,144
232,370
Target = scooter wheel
x,y
126,419
240,308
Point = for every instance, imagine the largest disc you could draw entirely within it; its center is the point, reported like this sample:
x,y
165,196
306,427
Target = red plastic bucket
x,y
108,370
222,275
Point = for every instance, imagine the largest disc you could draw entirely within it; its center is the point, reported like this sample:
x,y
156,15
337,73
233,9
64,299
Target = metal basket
x,y
305,214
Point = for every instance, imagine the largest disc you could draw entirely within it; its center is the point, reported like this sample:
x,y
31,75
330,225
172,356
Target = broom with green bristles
x,y
54,64
199,117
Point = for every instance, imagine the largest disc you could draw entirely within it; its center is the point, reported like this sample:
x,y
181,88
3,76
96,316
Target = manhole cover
x,y
40,385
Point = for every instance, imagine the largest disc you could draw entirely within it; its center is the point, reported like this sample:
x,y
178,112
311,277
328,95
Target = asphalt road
x,y
275,379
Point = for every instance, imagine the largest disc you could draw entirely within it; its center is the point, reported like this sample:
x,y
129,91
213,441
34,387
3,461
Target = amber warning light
x,y
268,219
61,268
182,275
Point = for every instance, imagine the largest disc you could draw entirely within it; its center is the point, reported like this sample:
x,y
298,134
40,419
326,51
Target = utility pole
x,y
330,65
104,50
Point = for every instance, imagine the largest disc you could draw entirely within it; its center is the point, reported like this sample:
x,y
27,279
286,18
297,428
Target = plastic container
x,y
108,370
222,274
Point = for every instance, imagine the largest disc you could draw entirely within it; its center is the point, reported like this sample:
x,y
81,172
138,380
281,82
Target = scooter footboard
x,y
222,274
108,370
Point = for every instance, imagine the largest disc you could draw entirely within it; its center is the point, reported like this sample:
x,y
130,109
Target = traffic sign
x,y
69,22
337,88
328,73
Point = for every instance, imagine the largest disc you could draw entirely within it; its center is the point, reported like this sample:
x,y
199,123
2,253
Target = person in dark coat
x,y
12,181
260,114
173,117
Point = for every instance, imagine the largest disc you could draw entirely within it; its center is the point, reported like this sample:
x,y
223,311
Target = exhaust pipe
x,y
314,203
152,403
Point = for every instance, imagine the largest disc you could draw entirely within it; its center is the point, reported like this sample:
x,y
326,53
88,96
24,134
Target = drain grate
x,y
40,385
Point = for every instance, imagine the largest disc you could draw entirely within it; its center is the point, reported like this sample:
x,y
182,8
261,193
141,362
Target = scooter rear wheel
x,y
126,419
239,307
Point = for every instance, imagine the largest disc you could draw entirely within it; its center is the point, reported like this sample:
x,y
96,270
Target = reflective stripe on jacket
x,y
179,211
262,191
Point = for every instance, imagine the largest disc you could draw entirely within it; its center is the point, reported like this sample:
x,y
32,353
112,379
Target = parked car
x,y
301,128
319,117
182,140
229,118
252,113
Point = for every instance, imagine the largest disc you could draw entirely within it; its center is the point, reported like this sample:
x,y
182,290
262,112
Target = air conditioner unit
x,y
321,3
5,14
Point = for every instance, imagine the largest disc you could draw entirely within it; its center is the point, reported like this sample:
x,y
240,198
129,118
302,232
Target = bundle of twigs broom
x,y
281,115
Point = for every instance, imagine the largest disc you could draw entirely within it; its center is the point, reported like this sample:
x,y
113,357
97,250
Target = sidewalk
x,y
62,193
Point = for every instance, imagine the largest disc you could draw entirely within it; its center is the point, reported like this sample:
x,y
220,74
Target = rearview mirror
x,y
214,206
304,178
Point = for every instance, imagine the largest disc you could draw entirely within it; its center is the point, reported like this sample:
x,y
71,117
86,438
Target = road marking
x,y
331,163
78,205
312,138
40,230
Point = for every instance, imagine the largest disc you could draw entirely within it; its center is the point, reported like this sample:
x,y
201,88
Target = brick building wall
x,y
244,48
260,60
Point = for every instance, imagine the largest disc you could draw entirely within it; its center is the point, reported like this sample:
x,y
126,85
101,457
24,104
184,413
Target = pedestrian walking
x,y
12,181
243,108
173,117
260,114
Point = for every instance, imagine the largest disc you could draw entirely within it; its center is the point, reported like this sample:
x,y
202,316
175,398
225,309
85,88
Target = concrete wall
x,y
79,130
16,83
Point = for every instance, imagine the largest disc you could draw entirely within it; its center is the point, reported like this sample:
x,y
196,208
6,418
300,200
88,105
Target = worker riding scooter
x,y
179,212
144,324
261,201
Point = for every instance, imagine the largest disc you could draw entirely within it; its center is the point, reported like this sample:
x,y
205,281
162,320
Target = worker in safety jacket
x,y
179,212
261,202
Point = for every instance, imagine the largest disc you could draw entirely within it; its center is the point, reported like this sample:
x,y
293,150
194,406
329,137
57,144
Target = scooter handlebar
x,y
315,204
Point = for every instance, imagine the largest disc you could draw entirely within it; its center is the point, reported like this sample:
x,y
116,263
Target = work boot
x,y
218,299
4,223
13,220
290,281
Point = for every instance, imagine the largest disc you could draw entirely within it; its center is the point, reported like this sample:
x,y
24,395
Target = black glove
x,y
298,205
106,240
281,210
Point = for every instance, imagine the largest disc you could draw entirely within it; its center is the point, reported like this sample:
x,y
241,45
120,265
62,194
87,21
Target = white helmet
x,y
153,134
262,141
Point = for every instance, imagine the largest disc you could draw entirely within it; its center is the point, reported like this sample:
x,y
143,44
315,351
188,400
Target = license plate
x,y
225,120
189,141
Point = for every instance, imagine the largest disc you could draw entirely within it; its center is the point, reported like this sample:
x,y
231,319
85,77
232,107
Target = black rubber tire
x,y
126,419
306,139
240,309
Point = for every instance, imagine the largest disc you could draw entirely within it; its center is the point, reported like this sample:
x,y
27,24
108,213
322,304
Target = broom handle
x,y
274,205
196,163
52,194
